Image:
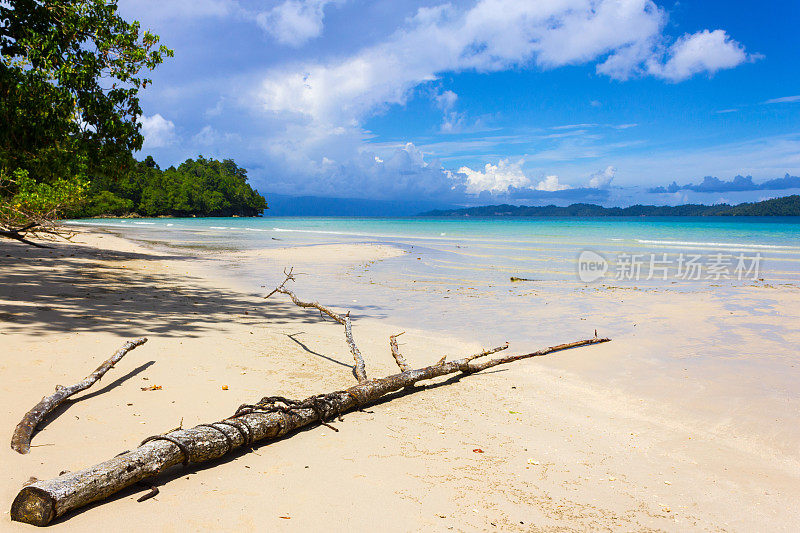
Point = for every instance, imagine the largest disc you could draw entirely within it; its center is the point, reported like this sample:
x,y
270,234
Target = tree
x,y
69,84
198,187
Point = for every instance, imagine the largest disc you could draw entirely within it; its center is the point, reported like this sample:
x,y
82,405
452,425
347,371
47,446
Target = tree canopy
x,y
69,106
69,83
204,187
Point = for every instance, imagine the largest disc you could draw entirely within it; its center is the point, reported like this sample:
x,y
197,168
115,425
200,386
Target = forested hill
x,y
199,187
786,206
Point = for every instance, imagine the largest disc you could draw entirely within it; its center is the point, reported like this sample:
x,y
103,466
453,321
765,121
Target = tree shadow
x,y
66,404
75,288
309,350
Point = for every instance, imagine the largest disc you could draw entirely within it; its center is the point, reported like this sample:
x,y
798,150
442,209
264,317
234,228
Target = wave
x,y
327,232
719,244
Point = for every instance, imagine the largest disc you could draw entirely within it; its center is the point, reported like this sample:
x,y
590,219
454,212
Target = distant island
x,y
788,206
197,187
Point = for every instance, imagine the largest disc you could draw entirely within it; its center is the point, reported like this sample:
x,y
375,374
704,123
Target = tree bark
x,y
21,440
43,501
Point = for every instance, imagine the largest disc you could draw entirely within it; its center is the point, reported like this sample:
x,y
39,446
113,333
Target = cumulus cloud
x,y
294,22
403,174
452,120
508,178
495,178
602,179
704,51
158,132
551,184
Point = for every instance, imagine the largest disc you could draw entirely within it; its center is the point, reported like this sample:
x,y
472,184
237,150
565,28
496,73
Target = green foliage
x,y
24,200
201,187
786,206
69,83
108,203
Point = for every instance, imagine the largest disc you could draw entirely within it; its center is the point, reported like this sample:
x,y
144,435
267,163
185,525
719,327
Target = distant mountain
x,y
299,206
788,206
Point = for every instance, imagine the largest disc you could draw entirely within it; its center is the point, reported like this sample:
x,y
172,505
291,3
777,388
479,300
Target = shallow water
x,y
457,272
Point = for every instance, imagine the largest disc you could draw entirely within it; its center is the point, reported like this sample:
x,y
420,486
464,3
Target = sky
x,y
483,101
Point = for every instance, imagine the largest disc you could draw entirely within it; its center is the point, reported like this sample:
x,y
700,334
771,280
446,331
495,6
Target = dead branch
x,y
21,440
359,369
19,234
398,357
490,351
269,419
315,305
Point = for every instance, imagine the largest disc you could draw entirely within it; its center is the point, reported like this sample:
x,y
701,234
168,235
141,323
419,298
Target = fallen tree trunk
x,y
21,440
20,233
271,418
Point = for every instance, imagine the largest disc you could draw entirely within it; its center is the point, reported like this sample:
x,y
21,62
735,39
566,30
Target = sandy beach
x,y
598,438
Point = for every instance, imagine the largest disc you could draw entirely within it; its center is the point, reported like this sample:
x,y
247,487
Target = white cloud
x,y
446,100
784,100
404,173
158,131
603,178
310,134
294,22
704,51
208,136
551,184
493,35
495,178
452,120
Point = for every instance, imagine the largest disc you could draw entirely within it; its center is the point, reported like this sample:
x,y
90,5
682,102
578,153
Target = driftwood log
x,y
21,440
271,418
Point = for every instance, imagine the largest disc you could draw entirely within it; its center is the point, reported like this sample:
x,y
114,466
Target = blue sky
x,y
482,101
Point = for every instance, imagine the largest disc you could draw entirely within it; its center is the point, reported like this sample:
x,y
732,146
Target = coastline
x,y
561,451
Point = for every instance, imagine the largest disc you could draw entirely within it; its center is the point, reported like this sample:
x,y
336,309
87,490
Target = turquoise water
x,y
481,251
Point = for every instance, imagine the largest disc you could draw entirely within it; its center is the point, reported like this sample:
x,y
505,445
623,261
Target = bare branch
x,y
398,357
299,303
359,370
21,440
489,352
467,367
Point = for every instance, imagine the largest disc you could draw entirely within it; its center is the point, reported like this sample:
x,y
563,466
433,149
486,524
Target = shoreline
x,y
560,451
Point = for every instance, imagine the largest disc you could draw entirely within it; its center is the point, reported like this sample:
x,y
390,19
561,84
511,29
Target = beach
x,y
687,420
